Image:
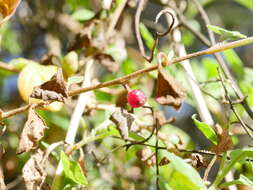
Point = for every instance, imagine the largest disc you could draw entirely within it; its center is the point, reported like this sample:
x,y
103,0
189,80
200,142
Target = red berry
x,y
136,98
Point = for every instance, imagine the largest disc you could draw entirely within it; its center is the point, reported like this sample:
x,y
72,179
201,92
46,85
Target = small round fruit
x,y
33,75
136,98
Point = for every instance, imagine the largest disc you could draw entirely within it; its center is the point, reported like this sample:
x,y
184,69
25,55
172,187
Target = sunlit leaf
x,y
83,14
206,130
243,180
72,170
226,34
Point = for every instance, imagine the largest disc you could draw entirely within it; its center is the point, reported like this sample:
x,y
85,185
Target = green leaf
x,y
206,130
75,79
226,34
20,63
72,170
189,177
236,156
83,14
243,180
235,62
147,36
246,3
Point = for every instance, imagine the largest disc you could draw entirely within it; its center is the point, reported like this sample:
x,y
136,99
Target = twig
x,y
157,34
245,127
222,63
75,119
210,165
115,18
14,183
197,94
121,80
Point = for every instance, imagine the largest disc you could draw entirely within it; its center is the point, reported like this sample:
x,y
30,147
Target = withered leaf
x,y
147,156
224,140
33,172
32,132
124,121
198,161
54,89
168,91
164,161
8,8
108,61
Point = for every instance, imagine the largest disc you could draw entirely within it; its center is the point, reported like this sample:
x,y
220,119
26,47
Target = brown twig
x,y
245,127
222,63
121,80
157,34
210,165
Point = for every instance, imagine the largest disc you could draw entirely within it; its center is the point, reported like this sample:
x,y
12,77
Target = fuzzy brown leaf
x,y
168,92
124,121
8,8
54,89
224,140
32,132
33,172
107,61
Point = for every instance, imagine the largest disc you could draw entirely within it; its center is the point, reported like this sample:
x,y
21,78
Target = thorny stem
x,y
214,49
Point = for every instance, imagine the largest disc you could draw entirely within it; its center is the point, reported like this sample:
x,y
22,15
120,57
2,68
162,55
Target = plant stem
x,y
121,80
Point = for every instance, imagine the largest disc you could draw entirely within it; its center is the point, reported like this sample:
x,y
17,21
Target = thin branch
x,y
214,49
210,165
221,61
158,35
115,17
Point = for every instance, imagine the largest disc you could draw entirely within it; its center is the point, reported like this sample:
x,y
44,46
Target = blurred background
x,y
48,27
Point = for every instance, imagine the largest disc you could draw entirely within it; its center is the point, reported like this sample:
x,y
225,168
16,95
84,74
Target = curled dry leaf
x,y
168,92
164,161
33,172
224,140
32,132
124,121
54,89
159,115
197,161
107,61
147,156
8,8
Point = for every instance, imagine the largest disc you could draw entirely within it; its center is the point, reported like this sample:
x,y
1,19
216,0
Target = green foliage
x,y
206,129
83,14
242,180
72,170
183,175
147,36
226,34
248,4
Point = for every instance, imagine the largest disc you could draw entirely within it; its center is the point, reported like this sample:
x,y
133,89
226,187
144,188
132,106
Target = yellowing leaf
x,y
8,8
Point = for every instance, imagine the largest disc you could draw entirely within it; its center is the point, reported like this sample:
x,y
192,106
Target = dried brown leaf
x,y
147,156
164,161
197,161
168,92
8,8
33,172
54,89
224,140
107,61
124,121
32,132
